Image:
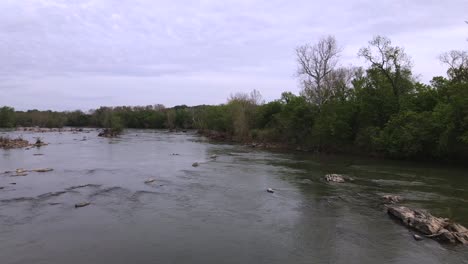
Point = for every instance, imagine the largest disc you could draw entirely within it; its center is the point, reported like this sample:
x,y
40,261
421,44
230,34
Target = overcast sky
x,y
81,54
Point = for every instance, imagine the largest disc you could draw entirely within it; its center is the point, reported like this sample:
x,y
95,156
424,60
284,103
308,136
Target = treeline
x,y
378,110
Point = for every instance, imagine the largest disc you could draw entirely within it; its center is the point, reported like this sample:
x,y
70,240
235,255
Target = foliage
x,y
380,110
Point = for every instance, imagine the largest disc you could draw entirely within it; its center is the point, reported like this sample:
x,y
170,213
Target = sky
x,y
82,54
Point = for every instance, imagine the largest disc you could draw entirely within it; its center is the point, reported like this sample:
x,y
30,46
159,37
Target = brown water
x,y
218,212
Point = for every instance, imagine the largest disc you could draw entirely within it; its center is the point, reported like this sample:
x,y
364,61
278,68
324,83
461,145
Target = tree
x,y
316,63
7,117
391,61
457,62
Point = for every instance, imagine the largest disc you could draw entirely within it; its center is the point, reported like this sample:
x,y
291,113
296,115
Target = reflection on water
x,y
218,212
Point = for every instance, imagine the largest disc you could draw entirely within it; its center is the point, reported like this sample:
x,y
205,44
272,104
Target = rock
x,y
334,178
109,133
174,154
418,219
43,170
417,237
54,203
21,171
270,190
195,164
393,199
83,204
38,154
13,183
214,156
1,187
19,174
434,227
150,181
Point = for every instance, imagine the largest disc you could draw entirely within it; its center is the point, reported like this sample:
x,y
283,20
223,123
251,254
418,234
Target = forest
x,y
381,109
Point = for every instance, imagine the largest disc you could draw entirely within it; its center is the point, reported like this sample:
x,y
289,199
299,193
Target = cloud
x,y
58,43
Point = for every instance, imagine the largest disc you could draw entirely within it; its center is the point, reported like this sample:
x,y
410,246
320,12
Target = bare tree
x,y
457,62
391,61
316,62
339,81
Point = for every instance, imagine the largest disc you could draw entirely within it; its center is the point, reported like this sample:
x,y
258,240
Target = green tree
x,y
7,116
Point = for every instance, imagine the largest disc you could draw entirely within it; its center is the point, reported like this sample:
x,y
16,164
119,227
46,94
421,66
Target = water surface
x,y
218,212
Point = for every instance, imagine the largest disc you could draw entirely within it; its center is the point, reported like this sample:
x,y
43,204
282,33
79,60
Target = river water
x,y
218,212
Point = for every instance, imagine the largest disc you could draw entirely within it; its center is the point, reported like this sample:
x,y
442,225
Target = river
x,y
218,212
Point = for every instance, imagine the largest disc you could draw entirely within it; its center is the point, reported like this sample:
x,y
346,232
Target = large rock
x,y
429,225
334,178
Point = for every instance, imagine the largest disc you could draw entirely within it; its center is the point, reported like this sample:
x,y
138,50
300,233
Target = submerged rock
x,y
83,204
270,190
434,227
393,199
214,156
195,164
334,178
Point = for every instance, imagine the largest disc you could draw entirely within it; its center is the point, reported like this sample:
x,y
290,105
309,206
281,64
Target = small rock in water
x,y
174,154
13,183
83,204
214,156
150,181
195,164
270,190
21,171
19,174
54,203
38,154
392,199
1,187
43,170
334,178
417,237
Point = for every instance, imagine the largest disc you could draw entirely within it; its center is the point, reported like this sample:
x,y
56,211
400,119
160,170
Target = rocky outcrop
x,y
7,143
335,178
434,227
